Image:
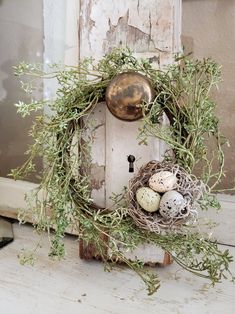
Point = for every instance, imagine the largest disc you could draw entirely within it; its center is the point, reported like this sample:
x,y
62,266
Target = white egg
x,y
172,202
163,181
148,199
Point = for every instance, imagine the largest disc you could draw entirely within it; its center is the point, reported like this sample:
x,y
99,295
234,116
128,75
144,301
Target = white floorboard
x,y
75,286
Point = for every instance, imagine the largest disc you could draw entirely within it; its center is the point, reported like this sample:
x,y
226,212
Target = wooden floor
x,y
75,286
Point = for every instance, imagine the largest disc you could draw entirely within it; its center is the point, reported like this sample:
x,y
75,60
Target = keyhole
x,y
131,160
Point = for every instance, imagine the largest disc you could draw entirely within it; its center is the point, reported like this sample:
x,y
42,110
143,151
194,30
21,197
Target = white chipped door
x,y
151,28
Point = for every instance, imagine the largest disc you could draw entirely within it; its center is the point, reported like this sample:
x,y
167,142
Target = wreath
x,y
63,198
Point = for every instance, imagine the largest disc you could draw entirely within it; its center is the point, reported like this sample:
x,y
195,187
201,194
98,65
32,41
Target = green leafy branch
x,y
63,198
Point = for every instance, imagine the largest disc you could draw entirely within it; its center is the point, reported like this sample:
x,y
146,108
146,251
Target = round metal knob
x,y
125,94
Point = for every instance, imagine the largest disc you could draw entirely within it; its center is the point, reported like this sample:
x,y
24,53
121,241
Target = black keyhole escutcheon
x,y
131,160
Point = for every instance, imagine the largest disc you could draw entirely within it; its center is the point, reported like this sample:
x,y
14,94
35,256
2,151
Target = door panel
x,y
151,29
121,141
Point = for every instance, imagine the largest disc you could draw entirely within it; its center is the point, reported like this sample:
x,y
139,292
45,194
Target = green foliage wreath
x,y
63,198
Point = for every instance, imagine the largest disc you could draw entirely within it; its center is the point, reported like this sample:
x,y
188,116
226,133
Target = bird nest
x,y
187,184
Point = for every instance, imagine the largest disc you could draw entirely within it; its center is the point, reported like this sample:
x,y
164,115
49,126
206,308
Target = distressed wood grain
x,y
151,29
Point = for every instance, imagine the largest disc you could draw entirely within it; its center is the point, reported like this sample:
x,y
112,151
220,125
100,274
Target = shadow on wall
x,y
208,30
18,42
13,141
14,138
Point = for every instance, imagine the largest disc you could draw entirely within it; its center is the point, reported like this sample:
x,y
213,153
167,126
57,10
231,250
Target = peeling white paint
x,y
149,28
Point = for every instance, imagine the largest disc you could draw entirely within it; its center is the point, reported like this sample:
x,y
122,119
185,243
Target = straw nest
x,y
188,185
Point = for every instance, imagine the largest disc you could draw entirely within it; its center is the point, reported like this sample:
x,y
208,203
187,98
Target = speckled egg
x,y
163,181
172,202
148,199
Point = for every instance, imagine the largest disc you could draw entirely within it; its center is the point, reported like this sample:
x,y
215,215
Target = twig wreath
x,y
63,197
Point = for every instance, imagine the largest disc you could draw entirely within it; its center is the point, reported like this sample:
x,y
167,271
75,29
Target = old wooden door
x,y
151,28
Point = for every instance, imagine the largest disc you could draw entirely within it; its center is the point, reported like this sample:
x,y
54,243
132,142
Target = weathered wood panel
x,y
144,26
97,120
151,29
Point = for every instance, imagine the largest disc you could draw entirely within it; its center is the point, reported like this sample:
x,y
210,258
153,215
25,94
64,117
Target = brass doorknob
x,y
125,94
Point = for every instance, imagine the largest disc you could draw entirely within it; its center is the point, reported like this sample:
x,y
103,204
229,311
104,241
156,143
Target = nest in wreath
x,y
163,196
